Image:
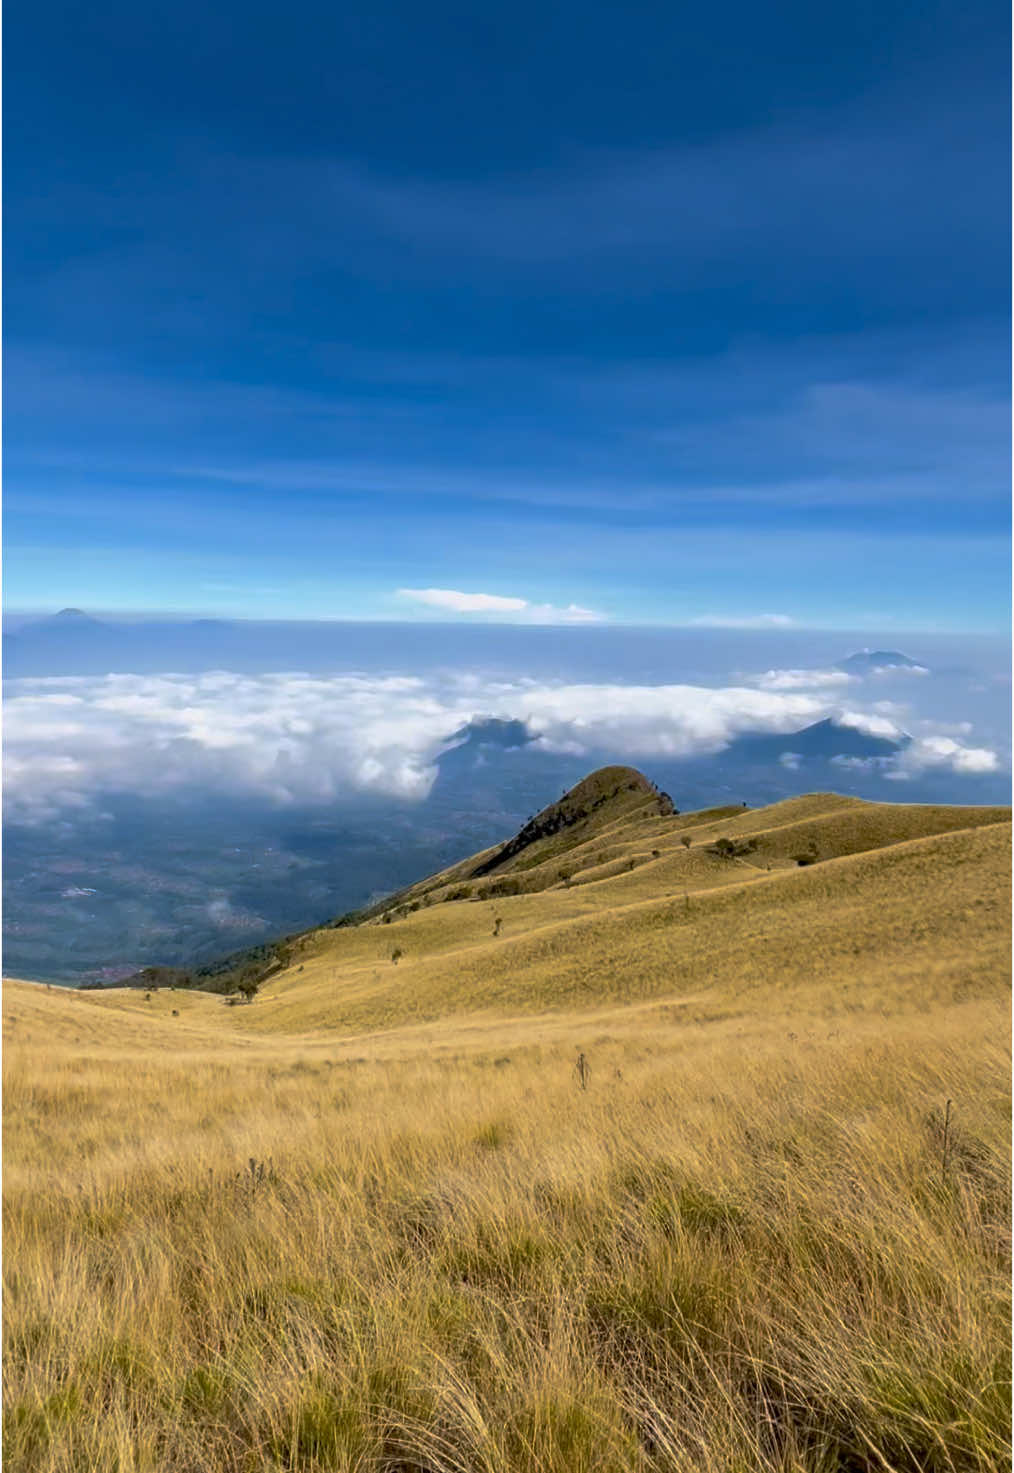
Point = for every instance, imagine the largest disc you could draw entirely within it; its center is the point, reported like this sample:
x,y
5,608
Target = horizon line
x,y
695,625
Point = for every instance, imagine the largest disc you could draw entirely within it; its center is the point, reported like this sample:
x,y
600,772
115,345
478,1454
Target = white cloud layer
x,y
943,752
294,737
456,602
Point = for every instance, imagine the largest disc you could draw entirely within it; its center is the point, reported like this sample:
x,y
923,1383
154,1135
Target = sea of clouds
x,y
292,737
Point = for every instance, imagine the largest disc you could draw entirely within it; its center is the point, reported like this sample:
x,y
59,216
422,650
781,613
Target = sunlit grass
x,y
738,1248
378,1220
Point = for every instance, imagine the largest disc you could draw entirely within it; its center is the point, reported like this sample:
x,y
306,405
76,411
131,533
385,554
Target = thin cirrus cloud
x,y
293,738
743,621
809,198
823,428
454,601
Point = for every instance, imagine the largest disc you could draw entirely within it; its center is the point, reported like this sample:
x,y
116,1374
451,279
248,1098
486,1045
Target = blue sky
x,y
646,312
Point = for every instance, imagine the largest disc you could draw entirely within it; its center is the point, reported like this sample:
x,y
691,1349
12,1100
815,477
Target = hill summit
x,y
601,798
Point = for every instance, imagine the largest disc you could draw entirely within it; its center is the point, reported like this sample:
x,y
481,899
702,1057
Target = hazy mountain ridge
x,y
74,642
874,661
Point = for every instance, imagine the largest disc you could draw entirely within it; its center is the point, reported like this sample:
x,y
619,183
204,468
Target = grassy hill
x,y
623,1145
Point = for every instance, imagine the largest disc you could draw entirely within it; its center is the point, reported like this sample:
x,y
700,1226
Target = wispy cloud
x,y
841,423
802,679
743,621
453,601
810,198
464,603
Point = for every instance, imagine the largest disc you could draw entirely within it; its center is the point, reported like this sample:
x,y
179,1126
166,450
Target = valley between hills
x,y
645,1140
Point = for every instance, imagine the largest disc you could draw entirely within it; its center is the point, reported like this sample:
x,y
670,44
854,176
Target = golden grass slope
x,y
628,828
373,1221
929,910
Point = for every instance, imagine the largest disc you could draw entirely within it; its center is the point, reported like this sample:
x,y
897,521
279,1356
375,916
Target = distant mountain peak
x,y
65,622
823,740
496,729
867,660
72,616
490,731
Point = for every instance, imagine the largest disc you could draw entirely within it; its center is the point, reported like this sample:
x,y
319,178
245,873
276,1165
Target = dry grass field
x,y
658,1173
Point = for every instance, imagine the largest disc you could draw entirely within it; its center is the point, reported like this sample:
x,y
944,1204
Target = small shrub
x,y
732,848
396,955
505,887
686,840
